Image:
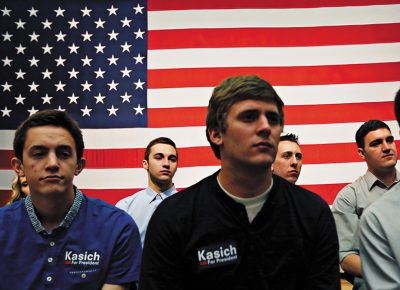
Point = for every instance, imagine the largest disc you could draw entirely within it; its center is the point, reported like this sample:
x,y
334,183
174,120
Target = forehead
x,y
249,104
288,146
48,136
165,149
381,133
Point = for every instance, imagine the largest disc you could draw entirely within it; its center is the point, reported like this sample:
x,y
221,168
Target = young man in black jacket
x,y
242,227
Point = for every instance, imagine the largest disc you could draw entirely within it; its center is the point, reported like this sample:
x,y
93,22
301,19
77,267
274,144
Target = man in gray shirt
x,y
377,147
379,237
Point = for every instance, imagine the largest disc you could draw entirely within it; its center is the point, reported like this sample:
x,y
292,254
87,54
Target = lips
x,y
293,173
166,172
388,155
52,178
263,145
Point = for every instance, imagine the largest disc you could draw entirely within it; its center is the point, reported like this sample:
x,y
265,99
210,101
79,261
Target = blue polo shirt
x,y
95,244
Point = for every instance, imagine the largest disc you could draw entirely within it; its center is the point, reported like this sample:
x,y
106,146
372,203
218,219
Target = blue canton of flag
x,y
88,58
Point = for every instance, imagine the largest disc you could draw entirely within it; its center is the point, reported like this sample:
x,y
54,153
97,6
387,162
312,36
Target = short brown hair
x,y
162,140
54,118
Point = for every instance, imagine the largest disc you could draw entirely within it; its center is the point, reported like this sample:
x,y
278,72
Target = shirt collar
x,y
65,223
372,180
152,195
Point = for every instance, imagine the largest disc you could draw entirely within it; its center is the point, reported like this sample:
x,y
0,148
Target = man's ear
x,y
361,153
215,136
81,165
145,164
18,167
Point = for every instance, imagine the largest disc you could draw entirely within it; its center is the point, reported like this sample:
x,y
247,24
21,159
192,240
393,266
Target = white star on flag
x,y
73,99
86,111
6,112
47,74
139,84
46,99
33,12
112,111
138,110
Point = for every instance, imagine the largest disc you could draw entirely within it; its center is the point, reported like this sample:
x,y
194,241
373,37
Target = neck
x,y
244,182
51,210
387,177
160,187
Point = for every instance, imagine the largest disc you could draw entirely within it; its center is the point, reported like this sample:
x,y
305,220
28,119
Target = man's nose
x,y
385,146
264,127
294,161
166,162
52,161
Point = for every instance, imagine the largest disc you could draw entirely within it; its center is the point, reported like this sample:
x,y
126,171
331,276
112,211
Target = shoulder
x,y
10,211
182,202
360,184
124,203
350,193
103,211
387,206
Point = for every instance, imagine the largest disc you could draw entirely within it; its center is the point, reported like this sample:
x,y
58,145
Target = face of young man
x,y
379,151
288,161
252,134
161,166
49,161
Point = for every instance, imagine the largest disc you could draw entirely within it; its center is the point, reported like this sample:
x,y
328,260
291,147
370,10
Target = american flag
x,y
130,71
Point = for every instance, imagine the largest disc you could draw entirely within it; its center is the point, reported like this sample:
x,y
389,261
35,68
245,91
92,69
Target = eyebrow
x,y
380,140
41,147
162,154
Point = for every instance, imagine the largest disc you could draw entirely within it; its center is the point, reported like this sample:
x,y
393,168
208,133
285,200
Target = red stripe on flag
x,y
177,117
132,158
274,37
5,158
327,191
112,196
277,76
4,196
338,113
155,5
294,115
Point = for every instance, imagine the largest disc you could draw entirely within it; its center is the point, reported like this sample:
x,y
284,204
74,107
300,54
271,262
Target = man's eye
x,y
390,139
64,154
299,156
249,117
286,156
273,118
38,154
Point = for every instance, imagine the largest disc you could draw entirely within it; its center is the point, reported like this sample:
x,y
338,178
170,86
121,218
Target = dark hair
x,y
232,90
397,106
290,137
162,140
367,127
54,118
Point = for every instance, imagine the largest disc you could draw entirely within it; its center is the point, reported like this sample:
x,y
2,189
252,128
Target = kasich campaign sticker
x,y
217,255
